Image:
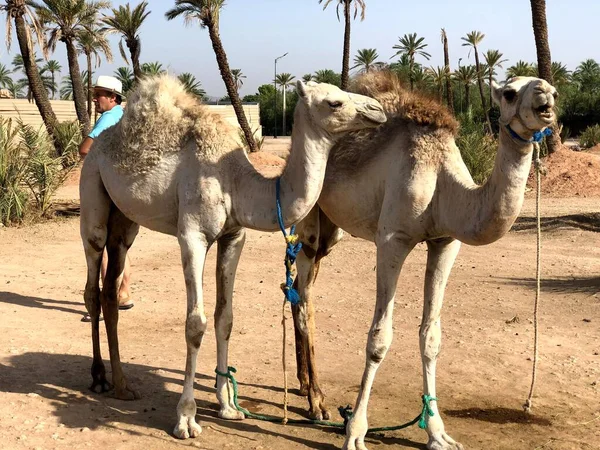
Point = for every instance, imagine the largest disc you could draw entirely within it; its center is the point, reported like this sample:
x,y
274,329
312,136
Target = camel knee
x,y
94,237
302,319
431,340
381,339
195,326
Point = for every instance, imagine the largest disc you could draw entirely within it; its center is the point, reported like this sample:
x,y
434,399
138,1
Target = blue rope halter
x,y
293,246
538,136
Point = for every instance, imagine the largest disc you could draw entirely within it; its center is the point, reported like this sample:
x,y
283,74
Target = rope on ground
x,y
537,167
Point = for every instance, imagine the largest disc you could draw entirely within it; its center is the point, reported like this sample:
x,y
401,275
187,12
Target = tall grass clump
x,y
69,136
590,136
13,168
477,148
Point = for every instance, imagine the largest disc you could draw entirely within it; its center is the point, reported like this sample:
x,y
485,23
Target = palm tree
x,y
402,68
125,76
308,77
284,80
93,42
206,12
466,76
238,78
449,96
438,77
358,5
15,87
327,76
127,23
520,69
493,59
65,21
560,74
587,75
191,85
66,86
25,21
153,68
19,66
5,77
544,59
411,45
366,59
53,67
473,39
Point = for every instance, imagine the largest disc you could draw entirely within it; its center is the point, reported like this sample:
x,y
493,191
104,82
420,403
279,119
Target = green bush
x,y
477,148
13,168
590,137
69,137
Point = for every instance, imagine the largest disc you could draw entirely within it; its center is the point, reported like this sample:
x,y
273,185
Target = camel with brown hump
x,y
404,183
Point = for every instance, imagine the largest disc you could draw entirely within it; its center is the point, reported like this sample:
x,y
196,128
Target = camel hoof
x,y
231,414
354,444
127,394
186,428
100,386
319,412
443,442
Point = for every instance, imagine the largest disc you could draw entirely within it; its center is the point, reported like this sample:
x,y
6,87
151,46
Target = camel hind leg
x,y
121,234
95,211
318,235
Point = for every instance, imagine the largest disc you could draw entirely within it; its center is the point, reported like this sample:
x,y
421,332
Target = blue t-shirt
x,y
106,120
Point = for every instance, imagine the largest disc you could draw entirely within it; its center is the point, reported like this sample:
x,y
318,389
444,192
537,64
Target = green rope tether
x,y
346,412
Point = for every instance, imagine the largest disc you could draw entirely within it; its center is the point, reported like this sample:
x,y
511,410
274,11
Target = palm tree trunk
x,y
490,81
346,55
480,83
78,94
449,96
134,49
544,58
53,86
35,81
410,75
90,96
229,85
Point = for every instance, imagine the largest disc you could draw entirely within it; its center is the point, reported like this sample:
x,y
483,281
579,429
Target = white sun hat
x,y
110,84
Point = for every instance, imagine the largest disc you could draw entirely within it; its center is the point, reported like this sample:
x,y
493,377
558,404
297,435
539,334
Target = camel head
x,y
526,103
336,111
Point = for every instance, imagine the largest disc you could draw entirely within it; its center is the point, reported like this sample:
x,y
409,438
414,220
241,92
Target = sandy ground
x,y
484,371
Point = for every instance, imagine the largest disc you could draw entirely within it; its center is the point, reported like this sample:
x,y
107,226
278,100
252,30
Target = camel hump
x,y
399,103
160,118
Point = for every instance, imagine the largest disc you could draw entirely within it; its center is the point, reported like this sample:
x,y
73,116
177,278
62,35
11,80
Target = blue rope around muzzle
x,y
293,247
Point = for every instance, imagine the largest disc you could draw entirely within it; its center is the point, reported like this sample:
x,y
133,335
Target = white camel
x,y
404,183
174,167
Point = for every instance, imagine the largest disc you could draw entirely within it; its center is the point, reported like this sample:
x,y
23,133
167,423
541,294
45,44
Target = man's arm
x,y
85,146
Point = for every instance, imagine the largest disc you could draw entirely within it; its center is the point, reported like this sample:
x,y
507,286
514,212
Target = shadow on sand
x,y
42,303
64,379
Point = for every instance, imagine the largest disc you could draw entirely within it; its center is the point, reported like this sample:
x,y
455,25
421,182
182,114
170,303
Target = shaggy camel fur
x,y
174,167
404,183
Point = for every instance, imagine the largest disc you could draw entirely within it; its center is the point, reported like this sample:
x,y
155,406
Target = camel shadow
x,y
586,222
41,303
570,285
64,380
499,416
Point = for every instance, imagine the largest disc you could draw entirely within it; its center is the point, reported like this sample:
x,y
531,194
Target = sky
x,y
255,32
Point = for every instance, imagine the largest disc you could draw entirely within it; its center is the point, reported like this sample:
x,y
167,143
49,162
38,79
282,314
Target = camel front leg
x,y
441,255
229,250
95,210
194,246
121,234
392,250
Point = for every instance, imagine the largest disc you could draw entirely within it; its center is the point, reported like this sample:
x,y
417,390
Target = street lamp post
x,y
275,105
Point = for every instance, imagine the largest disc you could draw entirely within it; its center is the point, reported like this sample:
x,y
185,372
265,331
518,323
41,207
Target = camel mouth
x,y
545,112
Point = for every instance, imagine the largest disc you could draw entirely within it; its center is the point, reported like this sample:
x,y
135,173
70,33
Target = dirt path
x,y
483,373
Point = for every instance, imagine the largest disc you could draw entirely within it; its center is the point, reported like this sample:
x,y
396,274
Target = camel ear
x,y
496,92
301,88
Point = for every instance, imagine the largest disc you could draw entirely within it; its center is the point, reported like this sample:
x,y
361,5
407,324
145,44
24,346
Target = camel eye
x,y
510,95
335,105
555,95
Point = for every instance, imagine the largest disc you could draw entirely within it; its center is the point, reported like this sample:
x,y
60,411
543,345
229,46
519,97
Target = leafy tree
x,y
64,22
191,85
16,88
466,76
126,77
438,76
127,22
238,78
359,5
92,43
521,69
411,45
366,59
47,82
587,75
53,67
328,76
206,13
26,23
473,39
402,68
153,68
308,77
560,74
5,77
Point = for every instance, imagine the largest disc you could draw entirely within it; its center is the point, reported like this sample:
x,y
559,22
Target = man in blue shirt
x,y
108,95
